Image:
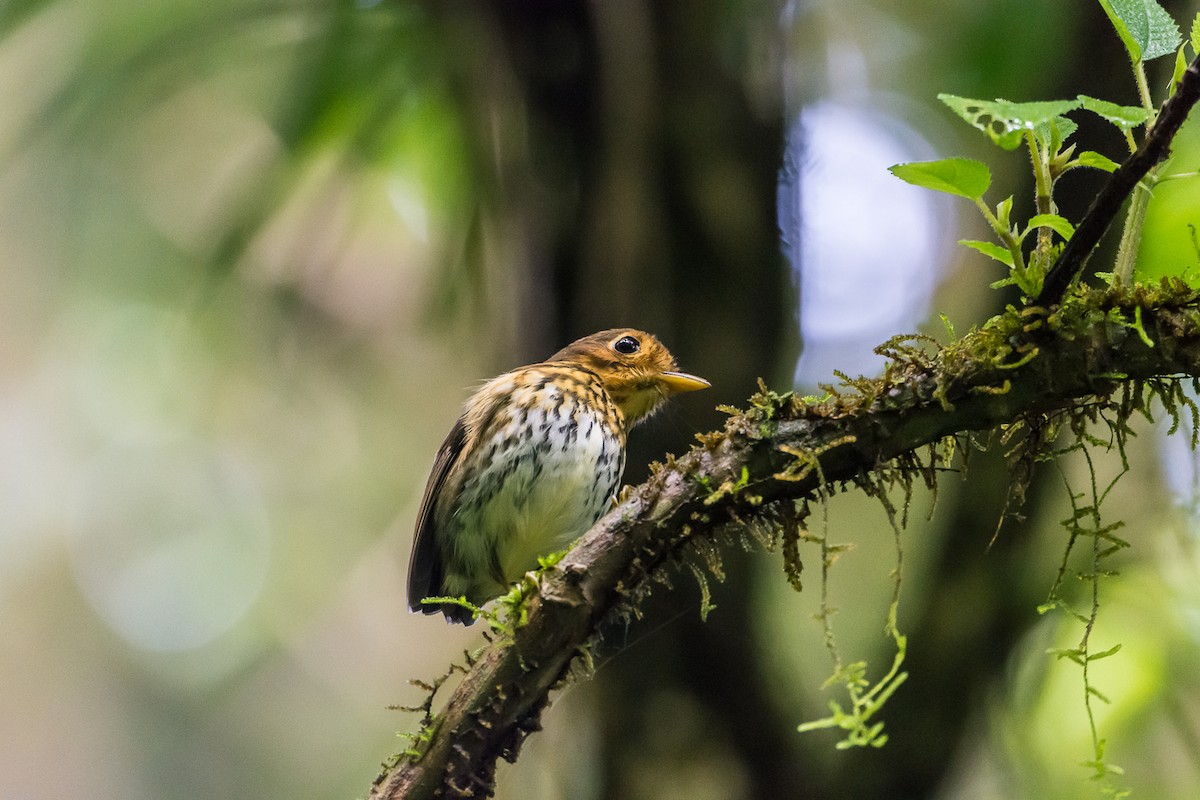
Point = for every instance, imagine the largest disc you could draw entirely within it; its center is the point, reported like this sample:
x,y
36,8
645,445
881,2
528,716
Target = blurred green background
x,y
256,254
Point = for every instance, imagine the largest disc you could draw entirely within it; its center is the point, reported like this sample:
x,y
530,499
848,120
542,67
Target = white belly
x,y
544,483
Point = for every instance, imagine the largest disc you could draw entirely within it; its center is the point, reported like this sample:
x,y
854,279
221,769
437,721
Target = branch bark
x,y
1083,350
1155,148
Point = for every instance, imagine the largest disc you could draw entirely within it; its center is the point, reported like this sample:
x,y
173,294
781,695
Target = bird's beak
x,y
677,382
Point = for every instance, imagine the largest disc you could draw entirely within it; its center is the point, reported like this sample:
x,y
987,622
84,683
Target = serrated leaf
x,y
1195,36
991,250
1052,133
1124,117
964,177
1005,122
1164,32
1055,223
1090,158
1145,27
1127,37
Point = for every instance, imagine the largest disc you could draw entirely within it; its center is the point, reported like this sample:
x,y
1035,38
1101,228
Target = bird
x,y
532,463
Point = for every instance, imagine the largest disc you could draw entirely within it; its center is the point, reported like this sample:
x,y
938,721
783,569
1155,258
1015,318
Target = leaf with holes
x,y
1006,122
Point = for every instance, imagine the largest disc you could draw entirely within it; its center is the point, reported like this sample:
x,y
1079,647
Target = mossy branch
x,y
1019,366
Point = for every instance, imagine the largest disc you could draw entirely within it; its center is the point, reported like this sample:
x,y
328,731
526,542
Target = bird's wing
x,y
425,566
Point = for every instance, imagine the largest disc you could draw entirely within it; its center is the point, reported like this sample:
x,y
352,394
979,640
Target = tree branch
x,y
1104,209
1017,365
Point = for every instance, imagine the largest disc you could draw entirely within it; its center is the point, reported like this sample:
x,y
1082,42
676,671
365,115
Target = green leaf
x,y
1127,37
1075,654
948,325
1090,158
1195,37
1124,117
1053,221
991,250
1004,212
1180,68
964,177
1005,122
1112,651
1145,27
1052,133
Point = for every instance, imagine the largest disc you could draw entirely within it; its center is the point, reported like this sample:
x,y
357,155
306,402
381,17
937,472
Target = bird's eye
x,y
627,345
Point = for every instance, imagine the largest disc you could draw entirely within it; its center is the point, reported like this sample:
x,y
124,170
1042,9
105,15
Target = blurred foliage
x,y
256,253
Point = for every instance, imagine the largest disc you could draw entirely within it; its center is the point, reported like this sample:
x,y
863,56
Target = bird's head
x,y
637,371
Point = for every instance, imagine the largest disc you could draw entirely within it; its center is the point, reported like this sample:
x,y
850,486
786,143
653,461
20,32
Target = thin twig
x,y
1104,209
